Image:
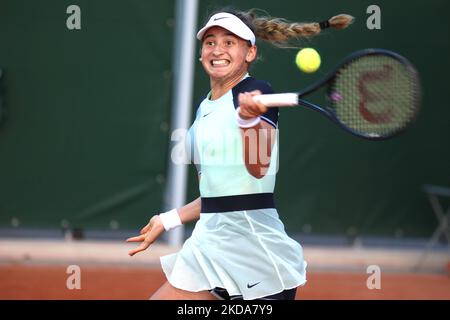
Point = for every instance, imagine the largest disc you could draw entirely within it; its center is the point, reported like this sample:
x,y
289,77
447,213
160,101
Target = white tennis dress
x,y
239,242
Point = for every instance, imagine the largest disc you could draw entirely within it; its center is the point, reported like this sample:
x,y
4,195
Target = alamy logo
x,y
73,21
374,280
374,20
223,147
74,280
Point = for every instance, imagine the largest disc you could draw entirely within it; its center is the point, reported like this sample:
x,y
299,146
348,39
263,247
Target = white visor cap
x,y
231,23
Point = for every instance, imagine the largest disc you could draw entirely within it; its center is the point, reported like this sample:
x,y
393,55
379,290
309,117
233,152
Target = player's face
x,y
225,57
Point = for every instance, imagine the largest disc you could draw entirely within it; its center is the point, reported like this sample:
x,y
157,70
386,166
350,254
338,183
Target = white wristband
x,y
246,123
170,219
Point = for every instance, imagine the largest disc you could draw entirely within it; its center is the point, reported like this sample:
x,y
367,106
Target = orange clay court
x,y
49,282
37,270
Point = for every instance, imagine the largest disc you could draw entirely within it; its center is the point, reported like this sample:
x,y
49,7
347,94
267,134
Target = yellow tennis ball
x,y
308,60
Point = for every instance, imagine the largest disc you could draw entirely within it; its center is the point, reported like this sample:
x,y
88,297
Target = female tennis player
x,y
239,248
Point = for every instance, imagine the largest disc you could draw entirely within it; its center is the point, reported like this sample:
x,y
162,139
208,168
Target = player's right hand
x,y
148,235
248,107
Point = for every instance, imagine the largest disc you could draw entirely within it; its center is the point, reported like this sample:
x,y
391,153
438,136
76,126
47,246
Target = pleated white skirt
x,y
246,252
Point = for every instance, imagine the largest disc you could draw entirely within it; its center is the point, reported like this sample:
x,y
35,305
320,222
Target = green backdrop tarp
x,y
330,182
86,136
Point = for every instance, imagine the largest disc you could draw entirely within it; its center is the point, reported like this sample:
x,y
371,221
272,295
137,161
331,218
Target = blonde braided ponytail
x,y
279,31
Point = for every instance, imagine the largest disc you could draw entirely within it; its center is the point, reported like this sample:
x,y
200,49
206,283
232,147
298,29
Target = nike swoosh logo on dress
x,y
249,286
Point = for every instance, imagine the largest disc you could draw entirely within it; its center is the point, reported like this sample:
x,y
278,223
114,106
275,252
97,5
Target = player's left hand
x,y
250,108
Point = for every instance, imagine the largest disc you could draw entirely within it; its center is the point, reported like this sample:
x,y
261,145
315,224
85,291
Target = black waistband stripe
x,y
237,203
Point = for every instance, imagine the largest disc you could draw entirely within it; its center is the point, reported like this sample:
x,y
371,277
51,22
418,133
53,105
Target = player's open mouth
x,y
220,63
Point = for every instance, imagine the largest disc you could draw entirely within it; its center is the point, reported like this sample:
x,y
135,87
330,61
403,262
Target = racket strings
x,y
375,95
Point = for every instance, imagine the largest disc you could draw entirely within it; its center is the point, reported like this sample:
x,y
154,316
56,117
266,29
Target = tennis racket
x,y
373,94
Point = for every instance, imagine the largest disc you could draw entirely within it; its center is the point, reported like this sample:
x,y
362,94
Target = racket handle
x,y
278,99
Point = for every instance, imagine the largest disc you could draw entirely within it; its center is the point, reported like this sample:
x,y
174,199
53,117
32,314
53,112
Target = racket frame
x,y
329,79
